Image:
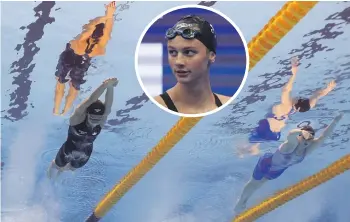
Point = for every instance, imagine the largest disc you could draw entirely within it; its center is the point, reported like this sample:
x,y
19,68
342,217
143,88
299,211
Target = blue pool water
x,y
201,178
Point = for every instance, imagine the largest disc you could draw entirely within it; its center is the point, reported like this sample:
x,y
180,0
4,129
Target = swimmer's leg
x,y
247,192
77,79
51,169
71,96
59,164
59,93
257,180
62,71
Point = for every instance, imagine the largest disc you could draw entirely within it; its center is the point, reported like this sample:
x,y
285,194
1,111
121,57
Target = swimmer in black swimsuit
x,y
75,60
191,50
85,125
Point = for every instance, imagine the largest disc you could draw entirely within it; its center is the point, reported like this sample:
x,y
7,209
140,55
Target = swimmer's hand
x,y
331,85
339,116
295,61
110,9
111,82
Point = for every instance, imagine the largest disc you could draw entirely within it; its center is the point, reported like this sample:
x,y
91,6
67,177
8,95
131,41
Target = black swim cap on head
x,y
302,104
206,33
309,129
96,108
98,32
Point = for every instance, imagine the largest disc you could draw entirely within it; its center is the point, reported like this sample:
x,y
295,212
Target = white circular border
x,y
214,11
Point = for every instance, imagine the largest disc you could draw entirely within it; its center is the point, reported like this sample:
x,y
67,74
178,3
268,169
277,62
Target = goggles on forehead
x,y
186,33
307,135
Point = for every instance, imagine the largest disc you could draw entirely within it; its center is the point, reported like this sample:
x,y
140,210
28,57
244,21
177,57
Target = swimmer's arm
x,y
107,31
81,109
108,103
89,28
286,91
321,93
325,134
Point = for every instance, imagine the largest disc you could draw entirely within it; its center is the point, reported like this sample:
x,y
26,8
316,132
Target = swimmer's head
x,y
98,32
191,47
301,104
95,113
307,132
194,27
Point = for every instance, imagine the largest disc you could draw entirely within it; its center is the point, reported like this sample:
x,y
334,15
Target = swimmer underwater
x,y
191,46
299,144
75,60
85,125
269,128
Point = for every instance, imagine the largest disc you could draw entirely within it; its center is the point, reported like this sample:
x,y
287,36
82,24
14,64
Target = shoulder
x,y
292,137
224,99
159,100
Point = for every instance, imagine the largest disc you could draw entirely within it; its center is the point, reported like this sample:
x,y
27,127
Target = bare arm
x,y
89,28
321,93
325,134
79,112
286,91
109,22
285,106
107,32
108,103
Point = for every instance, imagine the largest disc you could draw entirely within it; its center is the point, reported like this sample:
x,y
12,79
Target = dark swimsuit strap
x,y
170,104
217,100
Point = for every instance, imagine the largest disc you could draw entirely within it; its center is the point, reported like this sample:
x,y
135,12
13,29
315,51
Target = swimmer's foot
x,y
56,112
63,112
240,206
51,170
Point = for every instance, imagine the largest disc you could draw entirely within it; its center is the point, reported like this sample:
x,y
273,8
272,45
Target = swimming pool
x,y
201,178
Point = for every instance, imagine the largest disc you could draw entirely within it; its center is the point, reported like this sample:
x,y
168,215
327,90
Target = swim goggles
x,y
307,135
94,118
187,33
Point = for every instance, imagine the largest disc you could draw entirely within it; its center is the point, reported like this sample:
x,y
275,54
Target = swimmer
x,y
299,144
75,60
299,104
191,51
269,129
85,125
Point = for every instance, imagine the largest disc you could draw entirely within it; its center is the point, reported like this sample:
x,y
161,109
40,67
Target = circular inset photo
x,y
192,61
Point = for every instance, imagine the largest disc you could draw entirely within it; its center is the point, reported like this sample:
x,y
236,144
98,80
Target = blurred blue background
x,y
228,70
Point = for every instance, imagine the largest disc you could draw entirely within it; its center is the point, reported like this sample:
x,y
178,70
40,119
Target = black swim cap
x,y
206,31
302,104
96,108
98,32
309,129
